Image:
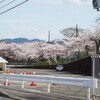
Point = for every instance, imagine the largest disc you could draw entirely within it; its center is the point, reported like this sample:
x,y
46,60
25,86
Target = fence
x,y
96,71
83,82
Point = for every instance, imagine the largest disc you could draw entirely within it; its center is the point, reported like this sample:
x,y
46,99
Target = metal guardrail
x,y
83,82
15,65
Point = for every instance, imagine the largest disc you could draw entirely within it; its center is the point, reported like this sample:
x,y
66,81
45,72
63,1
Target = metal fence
x,y
96,71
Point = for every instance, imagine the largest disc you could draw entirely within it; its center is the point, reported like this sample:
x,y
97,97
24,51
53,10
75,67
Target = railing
x,y
83,82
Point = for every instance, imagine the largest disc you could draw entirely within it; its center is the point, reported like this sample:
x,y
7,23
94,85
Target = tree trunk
x,y
97,48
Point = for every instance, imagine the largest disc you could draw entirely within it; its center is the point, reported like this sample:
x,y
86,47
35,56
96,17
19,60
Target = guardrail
x,y
15,65
83,82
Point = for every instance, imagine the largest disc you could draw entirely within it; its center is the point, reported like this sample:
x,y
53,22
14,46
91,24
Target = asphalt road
x,y
27,94
39,92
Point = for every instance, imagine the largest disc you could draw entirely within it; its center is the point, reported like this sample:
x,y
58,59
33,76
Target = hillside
x,y
21,40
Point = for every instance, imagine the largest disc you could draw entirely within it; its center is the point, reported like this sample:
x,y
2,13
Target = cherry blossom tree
x,y
40,51
95,36
72,31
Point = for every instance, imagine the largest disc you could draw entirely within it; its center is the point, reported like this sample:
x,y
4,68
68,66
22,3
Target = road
x,y
39,92
27,94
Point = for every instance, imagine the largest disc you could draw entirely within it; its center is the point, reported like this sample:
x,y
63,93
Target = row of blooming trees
x,y
42,51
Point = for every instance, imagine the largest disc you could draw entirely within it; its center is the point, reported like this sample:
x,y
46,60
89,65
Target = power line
x,y
7,4
2,1
13,7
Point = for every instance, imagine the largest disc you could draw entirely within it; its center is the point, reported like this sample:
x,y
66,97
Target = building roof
x,y
2,60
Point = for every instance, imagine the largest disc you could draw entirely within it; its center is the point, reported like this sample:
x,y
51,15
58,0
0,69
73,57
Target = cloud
x,y
41,36
77,2
62,2
71,1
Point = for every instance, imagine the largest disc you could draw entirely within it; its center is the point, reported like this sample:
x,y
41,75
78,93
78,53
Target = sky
x,y
35,18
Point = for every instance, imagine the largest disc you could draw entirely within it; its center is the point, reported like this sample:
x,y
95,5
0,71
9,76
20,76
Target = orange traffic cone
x,y
6,82
26,72
33,83
33,72
15,72
7,72
21,72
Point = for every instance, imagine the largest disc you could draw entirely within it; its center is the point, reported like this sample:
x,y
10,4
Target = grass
x,y
45,63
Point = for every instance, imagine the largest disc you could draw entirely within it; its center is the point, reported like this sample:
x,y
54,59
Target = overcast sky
x,y
36,17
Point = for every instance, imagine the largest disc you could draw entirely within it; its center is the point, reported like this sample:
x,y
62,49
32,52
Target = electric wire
x,y
7,4
14,7
2,1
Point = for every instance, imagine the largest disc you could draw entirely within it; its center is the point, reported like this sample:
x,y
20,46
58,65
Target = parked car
x,y
59,68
